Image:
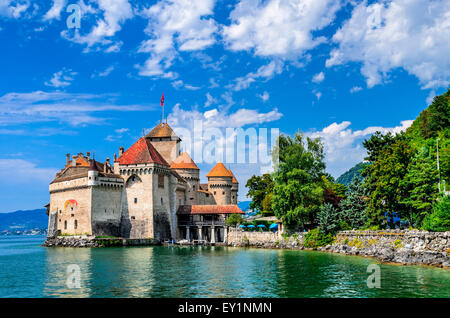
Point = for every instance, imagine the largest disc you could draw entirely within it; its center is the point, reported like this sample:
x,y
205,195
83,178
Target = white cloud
x,y
408,34
318,78
176,25
55,10
355,89
104,73
278,28
25,172
265,72
180,84
343,146
62,78
115,13
264,96
74,109
210,100
13,8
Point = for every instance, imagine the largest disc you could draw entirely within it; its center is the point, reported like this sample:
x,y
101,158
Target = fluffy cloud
x,y
318,78
55,11
176,25
62,78
265,72
408,34
114,14
13,8
355,89
279,28
343,145
264,96
74,109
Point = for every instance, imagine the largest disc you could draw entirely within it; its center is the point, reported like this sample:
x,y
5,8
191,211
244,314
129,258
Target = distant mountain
x,y
24,220
244,205
347,177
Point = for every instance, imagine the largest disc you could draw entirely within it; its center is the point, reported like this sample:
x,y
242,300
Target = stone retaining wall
x,y
237,237
406,247
92,241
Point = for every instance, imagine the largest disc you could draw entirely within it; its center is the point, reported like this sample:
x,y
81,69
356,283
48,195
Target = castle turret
x,y
220,183
234,189
186,168
166,142
92,173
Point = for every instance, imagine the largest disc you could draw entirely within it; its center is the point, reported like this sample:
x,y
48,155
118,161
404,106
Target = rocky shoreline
x,y
92,241
391,255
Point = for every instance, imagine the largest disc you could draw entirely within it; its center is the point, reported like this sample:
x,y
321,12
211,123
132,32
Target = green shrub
x,y
439,220
234,219
315,238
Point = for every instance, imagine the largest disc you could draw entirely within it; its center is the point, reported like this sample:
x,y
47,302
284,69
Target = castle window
x,y
214,192
135,200
179,202
160,181
65,225
72,215
193,188
133,217
71,209
75,224
191,198
223,192
162,201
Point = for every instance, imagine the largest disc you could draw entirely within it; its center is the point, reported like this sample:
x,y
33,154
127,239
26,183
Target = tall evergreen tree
x,y
354,207
328,218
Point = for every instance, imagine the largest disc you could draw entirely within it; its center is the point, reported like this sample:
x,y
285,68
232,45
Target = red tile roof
x,y
219,170
184,161
209,209
234,178
141,152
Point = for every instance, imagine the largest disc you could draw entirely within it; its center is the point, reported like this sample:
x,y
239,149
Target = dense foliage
x,y
234,219
316,238
260,189
400,177
298,191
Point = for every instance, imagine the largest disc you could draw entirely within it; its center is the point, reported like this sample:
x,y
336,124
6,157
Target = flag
x,y
162,100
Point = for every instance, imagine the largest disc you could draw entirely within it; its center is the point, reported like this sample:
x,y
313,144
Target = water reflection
x,y
29,270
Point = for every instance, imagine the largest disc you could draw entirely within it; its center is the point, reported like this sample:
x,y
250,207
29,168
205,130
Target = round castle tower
x,y
186,168
234,189
220,183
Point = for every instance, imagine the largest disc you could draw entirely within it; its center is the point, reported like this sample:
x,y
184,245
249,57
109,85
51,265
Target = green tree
x,y
259,187
421,184
439,220
329,219
389,158
298,191
353,208
333,192
234,219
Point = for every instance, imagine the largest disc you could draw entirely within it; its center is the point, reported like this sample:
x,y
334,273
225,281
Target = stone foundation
x,y
241,238
405,247
92,241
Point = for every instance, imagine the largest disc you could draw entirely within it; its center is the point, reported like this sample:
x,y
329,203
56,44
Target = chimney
x,y
74,161
88,155
121,151
67,159
106,166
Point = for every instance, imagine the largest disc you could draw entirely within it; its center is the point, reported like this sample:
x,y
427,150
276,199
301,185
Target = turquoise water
x,y
29,270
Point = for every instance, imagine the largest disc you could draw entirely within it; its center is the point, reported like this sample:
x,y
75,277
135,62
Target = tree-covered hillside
x,y
347,177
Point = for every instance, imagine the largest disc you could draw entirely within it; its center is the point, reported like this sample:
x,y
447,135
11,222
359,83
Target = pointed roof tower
x,y
234,178
142,151
184,161
163,130
219,170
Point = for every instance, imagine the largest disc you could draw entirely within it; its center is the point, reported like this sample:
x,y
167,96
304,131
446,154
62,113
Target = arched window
x,y
65,225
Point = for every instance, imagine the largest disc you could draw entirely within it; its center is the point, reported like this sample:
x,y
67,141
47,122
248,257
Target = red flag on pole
x,y
162,100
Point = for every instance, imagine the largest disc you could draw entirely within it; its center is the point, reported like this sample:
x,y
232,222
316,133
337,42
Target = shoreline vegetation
x,y
400,185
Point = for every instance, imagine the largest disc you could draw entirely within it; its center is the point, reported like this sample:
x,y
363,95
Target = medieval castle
x,y
150,191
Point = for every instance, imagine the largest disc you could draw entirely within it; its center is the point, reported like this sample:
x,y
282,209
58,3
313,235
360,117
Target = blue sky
x,y
339,70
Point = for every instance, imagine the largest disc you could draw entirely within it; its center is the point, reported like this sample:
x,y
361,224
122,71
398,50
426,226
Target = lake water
x,y
29,270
